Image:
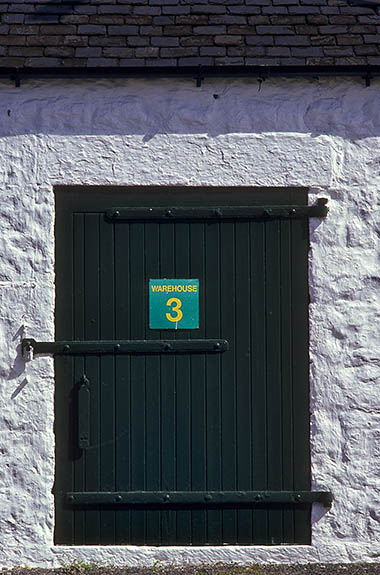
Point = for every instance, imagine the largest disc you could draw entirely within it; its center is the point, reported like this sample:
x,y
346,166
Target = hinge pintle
x,y
27,350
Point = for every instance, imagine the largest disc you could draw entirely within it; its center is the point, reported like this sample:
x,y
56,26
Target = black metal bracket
x,y
120,347
16,78
204,498
199,78
367,78
318,210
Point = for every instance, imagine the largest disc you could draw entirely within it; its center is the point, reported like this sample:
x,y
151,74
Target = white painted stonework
x,y
322,134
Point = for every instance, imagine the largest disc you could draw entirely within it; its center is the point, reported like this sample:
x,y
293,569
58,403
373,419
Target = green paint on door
x,y
183,423
173,303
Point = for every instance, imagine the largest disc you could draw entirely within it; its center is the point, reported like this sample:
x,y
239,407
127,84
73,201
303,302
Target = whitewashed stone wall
x,y
322,134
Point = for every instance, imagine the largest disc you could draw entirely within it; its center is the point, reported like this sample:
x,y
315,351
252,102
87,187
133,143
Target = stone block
x,y
212,51
43,62
283,30
166,41
48,40
26,51
91,29
197,41
349,39
88,52
178,52
292,40
20,30
118,52
209,30
192,19
259,40
123,30
147,52
196,61
107,40
178,30
151,30
225,40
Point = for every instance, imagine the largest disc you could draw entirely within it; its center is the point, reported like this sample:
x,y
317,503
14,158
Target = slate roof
x,y
124,33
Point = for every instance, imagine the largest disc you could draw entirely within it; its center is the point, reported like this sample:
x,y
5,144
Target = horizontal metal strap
x,y
318,210
186,498
119,347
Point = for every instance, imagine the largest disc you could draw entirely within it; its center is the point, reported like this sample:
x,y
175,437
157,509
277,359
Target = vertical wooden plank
x,y
198,388
274,390
300,342
79,368
138,406
92,366
107,377
153,415
286,371
213,378
243,374
259,377
228,375
183,455
64,411
123,382
168,391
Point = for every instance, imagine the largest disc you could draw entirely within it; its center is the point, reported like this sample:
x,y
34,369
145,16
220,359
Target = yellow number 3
x,y
175,308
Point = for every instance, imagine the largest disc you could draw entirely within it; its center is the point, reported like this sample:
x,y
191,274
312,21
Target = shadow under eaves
x,y
149,107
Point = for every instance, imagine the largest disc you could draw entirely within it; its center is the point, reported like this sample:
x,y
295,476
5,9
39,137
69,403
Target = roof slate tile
x,y
187,33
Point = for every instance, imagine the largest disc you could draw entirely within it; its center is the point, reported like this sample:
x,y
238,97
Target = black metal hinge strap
x,y
188,498
318,210
125,346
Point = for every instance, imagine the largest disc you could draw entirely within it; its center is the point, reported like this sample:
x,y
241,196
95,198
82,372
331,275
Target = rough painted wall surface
x,y
325,135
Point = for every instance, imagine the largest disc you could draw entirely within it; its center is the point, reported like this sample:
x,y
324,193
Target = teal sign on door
x,y
173,303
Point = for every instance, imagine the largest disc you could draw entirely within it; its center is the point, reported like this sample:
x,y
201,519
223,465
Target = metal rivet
x,y
208,497
166,497
292,212
70,497
66,348
169,213
116,214
267,212
117,347
298,497
218,212
167,347
118,498
258,498
216,345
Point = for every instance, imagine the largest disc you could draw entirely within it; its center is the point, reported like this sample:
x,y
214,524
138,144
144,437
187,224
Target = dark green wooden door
x,y
236,421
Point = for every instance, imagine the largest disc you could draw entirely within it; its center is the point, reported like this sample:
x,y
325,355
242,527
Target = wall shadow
x,y
341,107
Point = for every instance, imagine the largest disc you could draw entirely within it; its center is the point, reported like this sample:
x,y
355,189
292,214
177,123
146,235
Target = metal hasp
x,y
84,413
318,210
120,347
203,498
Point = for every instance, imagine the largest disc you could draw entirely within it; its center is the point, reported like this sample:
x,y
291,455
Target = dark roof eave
x,y
198,73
